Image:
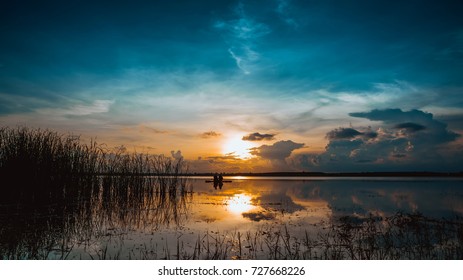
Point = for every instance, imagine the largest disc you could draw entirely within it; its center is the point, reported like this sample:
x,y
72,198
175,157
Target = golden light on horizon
x,y
239,204
237,147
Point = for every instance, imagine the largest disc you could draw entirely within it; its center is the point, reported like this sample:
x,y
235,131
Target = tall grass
x,y
106,209
40,153
46,156
54,188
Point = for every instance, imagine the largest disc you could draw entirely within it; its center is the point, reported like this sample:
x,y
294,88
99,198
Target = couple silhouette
x,y
218,181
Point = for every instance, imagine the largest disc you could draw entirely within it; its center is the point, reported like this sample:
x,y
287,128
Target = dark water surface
x,y
248,218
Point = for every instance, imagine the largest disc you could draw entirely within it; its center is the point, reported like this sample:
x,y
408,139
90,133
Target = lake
x,y
247,218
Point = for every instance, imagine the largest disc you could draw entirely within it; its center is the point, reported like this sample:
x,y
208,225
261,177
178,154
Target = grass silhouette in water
x,y
53,185
44,158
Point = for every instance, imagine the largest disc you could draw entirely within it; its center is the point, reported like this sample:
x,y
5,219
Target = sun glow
x,y
239,204
237,147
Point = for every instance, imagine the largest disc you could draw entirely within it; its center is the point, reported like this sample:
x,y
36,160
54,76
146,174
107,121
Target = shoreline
x,y
335,174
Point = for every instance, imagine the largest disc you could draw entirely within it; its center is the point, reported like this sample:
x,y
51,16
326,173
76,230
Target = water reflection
x,y
39,227
239,204
136,218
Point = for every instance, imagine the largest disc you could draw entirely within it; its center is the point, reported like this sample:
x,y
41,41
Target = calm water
x,y
257,218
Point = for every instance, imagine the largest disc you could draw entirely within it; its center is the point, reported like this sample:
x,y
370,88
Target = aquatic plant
x,y
47,159
52,185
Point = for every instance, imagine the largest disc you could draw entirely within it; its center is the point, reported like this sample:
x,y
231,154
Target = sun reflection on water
x,y
239,177
239,204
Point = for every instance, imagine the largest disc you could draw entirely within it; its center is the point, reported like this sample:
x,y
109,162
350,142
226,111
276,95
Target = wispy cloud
x,y
210,134
284,11
242,35
97,106
11,104
144,128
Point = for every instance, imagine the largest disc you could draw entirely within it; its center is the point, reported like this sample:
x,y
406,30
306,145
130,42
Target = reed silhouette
x,y
57,192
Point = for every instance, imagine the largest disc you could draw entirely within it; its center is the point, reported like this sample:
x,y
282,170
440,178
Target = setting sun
x,y
237,147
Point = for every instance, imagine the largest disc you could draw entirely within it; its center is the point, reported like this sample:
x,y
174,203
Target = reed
x,y
100,214
46,159
54,189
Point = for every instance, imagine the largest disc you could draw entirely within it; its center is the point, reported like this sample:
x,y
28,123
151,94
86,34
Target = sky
x,y
243,86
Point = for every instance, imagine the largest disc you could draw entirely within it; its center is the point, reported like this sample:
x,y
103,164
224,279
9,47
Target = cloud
x,y
284,11
409,126
96,107
151,130
343,133
244,57
228,157
278,151
403,141
412,121
350,133
394,115
242,35
370,134
225,163
256,136
11,104
210,134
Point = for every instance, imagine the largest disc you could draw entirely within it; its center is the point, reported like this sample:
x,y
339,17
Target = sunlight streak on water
x,y
239,178
239,204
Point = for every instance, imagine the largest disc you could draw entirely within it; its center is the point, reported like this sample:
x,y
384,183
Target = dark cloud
x,y
394,115
412,121
405,141
346,133
370,134
256,136
455,120
412,127
343,133
278,151
399,155
210,134
336,145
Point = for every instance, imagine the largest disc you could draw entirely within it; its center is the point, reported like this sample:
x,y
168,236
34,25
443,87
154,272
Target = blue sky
x,y
199,76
